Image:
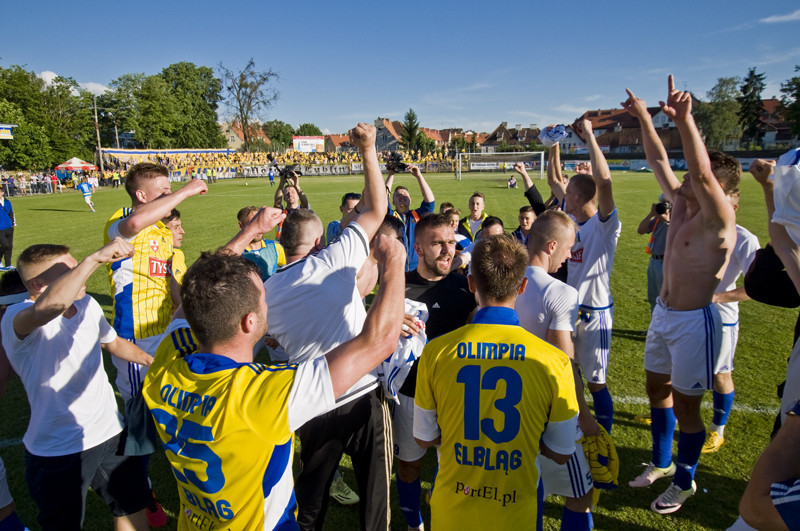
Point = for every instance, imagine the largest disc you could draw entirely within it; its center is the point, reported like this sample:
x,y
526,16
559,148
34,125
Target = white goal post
x,y
500,162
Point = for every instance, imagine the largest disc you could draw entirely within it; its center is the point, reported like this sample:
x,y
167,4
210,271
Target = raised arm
x,y
600,172
378,338
653,147
264,221
647,224
301,195
427,193
151,212
715,206
389,183
531,193
554,177
60,295
786,249
374,196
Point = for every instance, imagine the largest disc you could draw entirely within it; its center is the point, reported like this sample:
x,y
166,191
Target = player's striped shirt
x,y
140,285
178,265
227,430
490,389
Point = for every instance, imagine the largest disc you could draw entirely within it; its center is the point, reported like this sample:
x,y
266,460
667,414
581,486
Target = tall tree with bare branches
x,y
250,95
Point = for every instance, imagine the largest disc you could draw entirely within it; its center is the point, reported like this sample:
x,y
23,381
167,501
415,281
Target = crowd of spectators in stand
x,y
24,183
239,160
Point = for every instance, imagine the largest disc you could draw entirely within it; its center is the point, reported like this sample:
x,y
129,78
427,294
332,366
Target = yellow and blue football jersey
x,y
493,388
225,430
140,285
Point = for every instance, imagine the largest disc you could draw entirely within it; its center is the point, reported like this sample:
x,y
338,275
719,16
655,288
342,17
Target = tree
x,y
58,109
249,96
279,133
410,136
307,130
155,118
30,147
790,102
67,118
119,106
458,144
23,89
196,92
718,119
751,105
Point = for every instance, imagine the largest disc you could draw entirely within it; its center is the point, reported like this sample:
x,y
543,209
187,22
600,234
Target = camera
x,y
286,171
662,208
394,163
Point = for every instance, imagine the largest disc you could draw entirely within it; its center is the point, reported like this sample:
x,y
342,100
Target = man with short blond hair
x,y
142,285
487,394
53,342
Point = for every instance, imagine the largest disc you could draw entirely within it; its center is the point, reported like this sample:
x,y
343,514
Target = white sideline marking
x,y
642,400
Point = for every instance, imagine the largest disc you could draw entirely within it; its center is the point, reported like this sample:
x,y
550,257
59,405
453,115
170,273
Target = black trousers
x,y
363,430
6,244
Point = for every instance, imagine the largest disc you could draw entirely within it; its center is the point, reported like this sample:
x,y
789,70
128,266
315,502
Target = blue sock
x,y
12,523
722,407
408,496
662,428
689,446
572,521
603,408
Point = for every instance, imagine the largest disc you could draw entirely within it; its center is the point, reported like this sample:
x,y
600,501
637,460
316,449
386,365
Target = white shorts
x,y
130,376
791,391
730,336
405,447
88,199
572,479
592,342
5,494
684,345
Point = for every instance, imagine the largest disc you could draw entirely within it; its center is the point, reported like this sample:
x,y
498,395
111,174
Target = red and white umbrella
x,y
76,164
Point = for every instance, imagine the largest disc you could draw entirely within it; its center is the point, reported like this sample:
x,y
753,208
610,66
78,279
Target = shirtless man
x,y
683,341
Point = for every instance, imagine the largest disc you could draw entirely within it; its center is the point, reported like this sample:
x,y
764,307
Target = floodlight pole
x,y
97,132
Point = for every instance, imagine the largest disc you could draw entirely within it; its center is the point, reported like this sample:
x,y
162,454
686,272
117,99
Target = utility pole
x,y
97,131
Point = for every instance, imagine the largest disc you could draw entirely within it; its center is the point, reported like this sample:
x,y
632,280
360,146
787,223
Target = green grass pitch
x,y
210,221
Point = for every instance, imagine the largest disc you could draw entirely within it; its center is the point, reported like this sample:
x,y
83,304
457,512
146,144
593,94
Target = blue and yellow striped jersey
x,y
492,387
140,285
225,430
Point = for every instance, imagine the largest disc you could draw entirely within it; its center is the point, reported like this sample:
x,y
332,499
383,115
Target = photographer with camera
x,y
290,193
401,201
655,223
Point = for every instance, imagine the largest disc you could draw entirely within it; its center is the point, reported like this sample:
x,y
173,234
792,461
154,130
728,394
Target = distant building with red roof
x,y
235,137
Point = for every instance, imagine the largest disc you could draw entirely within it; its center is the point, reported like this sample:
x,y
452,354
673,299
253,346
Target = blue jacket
x,y
6,215
409,220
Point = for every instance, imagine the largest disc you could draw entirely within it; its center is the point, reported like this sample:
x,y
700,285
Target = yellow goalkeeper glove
x,y
601,454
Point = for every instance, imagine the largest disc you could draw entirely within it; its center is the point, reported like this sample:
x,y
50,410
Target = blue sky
x,y
457,64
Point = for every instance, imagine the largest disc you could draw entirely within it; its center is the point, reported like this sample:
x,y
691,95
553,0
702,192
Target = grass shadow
x,y
633,335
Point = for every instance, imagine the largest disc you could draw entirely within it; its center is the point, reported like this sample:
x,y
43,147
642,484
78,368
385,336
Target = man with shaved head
x,y
317,307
